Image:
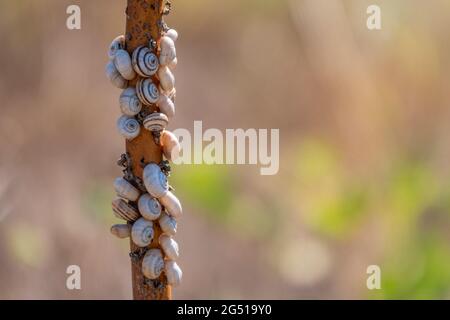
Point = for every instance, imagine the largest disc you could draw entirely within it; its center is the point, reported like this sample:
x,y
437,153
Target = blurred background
x,y
364,123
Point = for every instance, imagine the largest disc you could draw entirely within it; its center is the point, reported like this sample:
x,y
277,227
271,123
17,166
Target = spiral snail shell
x,y
168,51
142,232
123,210
153,264
144,62
149,207
155,180
122,61
173,64
117,44
166,106
126,190
130,104
173,273
121,231
115,77
147,91
172,34
128,127
170,145
156,122
168,224
166,78
171,204
169,246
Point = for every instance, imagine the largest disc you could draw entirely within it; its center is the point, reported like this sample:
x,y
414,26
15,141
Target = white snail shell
x,y
156,122
122,61
117,44
121,231
149,207
115,77
166,106
147,91
130,104
128,127
169,246
144,62
152,264
155,180
166,79
171,204
172,34
123,210
173,64
173,273
126,190
170,145
168,224
142,232
168,51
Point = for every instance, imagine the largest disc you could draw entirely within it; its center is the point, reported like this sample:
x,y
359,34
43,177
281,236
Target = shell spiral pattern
x,y
147,91
144,62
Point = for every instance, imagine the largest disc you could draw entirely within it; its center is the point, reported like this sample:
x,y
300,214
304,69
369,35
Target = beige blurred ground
x,y
364,120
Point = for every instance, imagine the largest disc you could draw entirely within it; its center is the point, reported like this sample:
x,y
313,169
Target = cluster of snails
x,y
151,202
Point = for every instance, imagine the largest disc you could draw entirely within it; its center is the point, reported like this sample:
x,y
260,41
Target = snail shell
x,y
156,122
155,180
129,102
173,273
147,91
166,79
152,264
168,224
144,62
171,204
168,51
123,210
115,77
169,246
172,34
128,127
121,231
142,232
126,190
170,145
173,64
117,44
166,106
149,207
122,61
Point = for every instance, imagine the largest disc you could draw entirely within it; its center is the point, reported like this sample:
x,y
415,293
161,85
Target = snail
x,y
155,180
117,44
126,190
171,204
169,246
173,64
149,207
123,210
168,51
122,61
166,79
173,273
142,232
144,62
147,91
172,34
115,77
121,231
166,105
128,127
156,122
130,104
168,224
170,145
152,264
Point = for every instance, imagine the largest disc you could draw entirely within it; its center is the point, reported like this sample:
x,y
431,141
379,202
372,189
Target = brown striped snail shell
x,y
172,34
170,145
117,44
168,224
168,51
169,246
155,180
155,122
130,104
147,91
166,79
171,204
115,77
142,232
125,190
153,264
149,207
122,61
121,231
173,273
145,62
128,127
123,210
